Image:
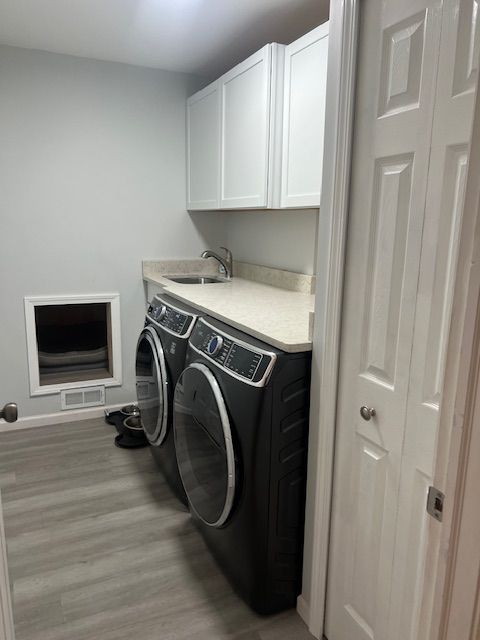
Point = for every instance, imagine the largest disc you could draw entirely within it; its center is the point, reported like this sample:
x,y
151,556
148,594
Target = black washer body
x,y
173,337
259,545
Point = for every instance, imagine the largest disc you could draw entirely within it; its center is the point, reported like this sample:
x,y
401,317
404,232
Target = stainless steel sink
x,y
195,279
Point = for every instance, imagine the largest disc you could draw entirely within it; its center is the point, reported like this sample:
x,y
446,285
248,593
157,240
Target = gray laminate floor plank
x,y
54,515
84,548
99,548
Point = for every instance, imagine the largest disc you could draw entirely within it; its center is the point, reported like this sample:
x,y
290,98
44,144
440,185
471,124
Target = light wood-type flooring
x,y
99,549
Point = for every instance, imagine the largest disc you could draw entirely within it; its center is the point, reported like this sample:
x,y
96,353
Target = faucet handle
x,y
228,260
228,252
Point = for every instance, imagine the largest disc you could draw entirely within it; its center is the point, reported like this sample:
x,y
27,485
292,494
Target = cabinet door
x,y
203,148
245,132
304,119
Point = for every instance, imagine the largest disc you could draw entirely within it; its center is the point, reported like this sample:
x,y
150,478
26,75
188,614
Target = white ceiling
x,y
205,37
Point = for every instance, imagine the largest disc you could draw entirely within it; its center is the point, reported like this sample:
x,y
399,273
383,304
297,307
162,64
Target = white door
x,y
304,118
397,65
203,148
452,127
400,266
245,132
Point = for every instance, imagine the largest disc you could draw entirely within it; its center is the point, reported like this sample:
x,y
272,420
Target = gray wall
x,y
92,181
281,239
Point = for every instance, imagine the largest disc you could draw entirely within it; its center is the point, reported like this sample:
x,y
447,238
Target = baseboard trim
x,y
303,610
57,418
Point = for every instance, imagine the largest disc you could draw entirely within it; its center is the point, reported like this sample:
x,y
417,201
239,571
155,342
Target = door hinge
x,y
435,502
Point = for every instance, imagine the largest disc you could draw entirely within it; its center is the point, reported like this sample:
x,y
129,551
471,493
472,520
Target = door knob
x,y
9,413
367,412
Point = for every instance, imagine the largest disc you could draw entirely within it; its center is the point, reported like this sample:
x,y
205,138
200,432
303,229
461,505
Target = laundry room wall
x,y
282,239
92,181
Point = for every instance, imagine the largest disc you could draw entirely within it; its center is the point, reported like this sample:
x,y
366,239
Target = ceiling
x,y
205,37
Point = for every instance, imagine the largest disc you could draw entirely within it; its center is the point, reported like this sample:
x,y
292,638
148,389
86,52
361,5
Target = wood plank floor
x,y
98,547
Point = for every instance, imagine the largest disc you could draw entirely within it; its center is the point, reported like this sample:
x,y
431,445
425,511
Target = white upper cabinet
x,y
304,93
255,136
203,148
246,93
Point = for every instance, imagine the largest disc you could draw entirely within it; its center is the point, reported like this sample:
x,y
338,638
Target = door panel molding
x,y
403,45
467,50
447,239
388,236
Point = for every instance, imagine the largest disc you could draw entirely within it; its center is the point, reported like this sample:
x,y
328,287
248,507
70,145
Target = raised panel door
x,y
398,49
452,125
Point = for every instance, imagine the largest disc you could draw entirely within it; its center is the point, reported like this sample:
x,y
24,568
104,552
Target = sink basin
x,y
195,279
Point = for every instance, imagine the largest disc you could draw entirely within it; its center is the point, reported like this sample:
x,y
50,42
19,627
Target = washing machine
x,y
241,430
160,359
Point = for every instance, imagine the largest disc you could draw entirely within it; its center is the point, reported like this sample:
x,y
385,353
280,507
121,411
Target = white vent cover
x,y
80,398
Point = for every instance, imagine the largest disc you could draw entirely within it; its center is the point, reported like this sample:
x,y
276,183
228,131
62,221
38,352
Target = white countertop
x,y
280,317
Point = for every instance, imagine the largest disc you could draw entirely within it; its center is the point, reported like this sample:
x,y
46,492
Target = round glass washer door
x,y
203,443
152,385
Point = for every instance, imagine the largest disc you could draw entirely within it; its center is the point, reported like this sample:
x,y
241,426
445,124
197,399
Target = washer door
x,y
152,385
203,443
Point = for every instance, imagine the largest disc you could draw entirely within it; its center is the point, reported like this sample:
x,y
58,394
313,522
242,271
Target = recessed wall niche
x,y
73,341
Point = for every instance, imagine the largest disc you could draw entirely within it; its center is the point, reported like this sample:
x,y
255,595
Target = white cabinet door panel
x,y
245,132
304,119
203,148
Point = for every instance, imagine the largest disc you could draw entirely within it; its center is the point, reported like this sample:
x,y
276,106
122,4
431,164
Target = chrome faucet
x,y
226,264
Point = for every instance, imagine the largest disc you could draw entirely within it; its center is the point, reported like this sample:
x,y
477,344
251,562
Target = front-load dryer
x,y
241,427
160,359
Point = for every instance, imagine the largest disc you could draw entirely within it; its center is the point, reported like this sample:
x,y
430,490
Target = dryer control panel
x,y
243,361
170,318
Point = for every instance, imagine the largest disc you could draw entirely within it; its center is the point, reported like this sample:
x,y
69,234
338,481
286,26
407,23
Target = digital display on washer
x,y
175,321
243,361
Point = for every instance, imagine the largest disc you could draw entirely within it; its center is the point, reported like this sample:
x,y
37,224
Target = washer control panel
x,y
240,359
158,312
215,345
166,316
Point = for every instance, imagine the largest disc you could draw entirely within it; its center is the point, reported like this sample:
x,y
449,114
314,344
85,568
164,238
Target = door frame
x,y
7,631
332,232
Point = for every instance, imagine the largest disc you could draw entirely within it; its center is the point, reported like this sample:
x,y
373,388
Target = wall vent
x,y
81,398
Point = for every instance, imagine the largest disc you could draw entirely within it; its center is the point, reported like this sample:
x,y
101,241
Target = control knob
x,y
159,312
214,345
